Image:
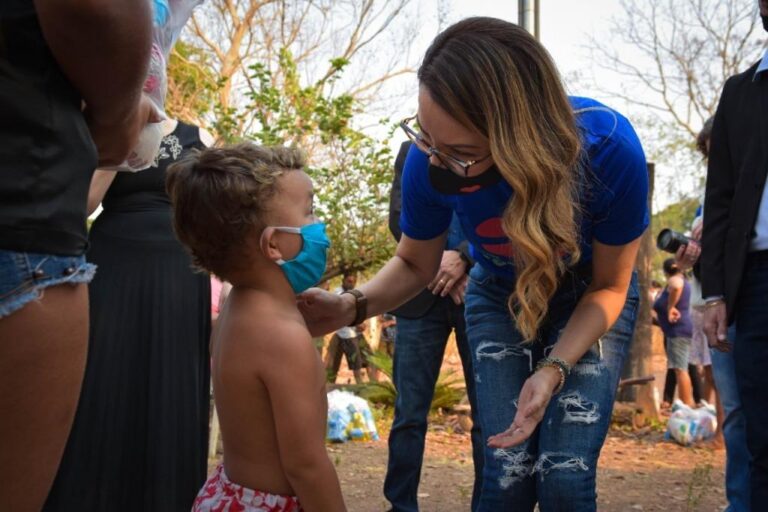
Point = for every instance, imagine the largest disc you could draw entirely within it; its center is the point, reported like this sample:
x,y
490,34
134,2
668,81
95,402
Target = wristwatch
x,y
361,306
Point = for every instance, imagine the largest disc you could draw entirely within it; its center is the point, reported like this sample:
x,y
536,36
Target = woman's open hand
x,y
531,405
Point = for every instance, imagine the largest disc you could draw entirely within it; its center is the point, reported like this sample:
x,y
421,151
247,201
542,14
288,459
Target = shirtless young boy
x,y
245,214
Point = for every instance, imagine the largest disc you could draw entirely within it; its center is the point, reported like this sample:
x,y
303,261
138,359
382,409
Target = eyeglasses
x,y
460,167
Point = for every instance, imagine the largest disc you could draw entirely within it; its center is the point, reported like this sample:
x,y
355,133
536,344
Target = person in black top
x,y
424,325
146,393
734,253
70,96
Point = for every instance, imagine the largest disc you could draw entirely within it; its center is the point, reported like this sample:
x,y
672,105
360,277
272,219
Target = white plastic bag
x,y
169,17
687,426
349,417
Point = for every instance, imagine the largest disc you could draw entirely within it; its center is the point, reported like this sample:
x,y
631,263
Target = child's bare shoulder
x,y
269,326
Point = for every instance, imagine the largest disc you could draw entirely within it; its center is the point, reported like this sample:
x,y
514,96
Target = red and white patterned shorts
x,y
219,494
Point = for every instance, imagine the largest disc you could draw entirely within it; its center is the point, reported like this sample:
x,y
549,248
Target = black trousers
x,y
751,360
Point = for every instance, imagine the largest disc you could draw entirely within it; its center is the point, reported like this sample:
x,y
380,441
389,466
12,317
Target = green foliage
x,y
352,172
192,85
700,483
448,390
678,217
382,392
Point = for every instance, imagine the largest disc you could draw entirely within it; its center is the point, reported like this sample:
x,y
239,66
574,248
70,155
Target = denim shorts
x,y
24,276
678,352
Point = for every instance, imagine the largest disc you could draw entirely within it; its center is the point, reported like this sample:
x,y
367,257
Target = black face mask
x,y
450,183
765,22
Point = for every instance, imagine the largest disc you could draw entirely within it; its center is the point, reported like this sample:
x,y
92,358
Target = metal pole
x,y
528,16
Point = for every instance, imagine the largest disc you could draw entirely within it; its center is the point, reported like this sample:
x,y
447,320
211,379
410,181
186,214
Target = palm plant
x,y
449,389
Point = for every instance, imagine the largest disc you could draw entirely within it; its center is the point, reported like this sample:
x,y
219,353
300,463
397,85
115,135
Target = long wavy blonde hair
x,y
495,78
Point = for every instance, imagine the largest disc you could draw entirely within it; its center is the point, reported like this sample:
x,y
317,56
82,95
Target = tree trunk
x,y
639,361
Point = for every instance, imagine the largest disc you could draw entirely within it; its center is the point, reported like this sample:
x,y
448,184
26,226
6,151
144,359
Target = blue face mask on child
x,y
306,269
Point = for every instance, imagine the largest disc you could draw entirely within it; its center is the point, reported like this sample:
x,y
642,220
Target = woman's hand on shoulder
x,y
324,311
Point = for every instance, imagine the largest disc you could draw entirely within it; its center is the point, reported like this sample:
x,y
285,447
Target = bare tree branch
x,y
687,49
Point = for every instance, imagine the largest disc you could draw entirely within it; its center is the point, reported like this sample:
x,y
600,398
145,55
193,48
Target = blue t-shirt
x,y
613,197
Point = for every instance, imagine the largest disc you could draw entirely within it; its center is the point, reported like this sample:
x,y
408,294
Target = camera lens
x,y
671,241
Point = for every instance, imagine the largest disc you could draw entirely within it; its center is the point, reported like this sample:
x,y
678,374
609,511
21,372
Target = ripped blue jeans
x,y
556,466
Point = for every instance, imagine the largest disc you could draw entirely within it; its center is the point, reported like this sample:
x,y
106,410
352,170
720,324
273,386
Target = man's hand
x,y
114,139
452,270
697,231
716,326
673,315
687,255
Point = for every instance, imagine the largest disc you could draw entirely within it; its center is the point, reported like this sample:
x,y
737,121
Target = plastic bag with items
x,y
687,426
169,17
349,417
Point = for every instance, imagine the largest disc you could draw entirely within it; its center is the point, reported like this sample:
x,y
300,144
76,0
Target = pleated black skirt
x,y
139,441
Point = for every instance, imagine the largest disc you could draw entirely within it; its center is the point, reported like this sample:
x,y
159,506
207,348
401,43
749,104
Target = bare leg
x,y
708,385
718,441
684,387
42,358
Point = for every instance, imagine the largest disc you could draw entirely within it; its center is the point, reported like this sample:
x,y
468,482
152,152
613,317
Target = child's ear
x,y
268,244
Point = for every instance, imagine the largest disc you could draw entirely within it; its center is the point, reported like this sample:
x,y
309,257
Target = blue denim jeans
x,y
750,355
25,275
556,466
734,429
419,348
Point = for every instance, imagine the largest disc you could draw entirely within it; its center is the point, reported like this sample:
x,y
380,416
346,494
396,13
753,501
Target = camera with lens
x,y
670,241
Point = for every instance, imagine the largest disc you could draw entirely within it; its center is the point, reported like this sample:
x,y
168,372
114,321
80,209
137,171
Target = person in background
x,y
672,309
388,326
655,290
424,326
70,99
686,258
670,379
217,299
731,420
350,342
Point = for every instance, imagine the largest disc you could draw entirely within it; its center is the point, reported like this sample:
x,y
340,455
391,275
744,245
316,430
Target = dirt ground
x,y
636,472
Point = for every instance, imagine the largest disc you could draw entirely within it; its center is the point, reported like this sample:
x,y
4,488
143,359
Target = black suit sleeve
x,y
718,198
395,194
